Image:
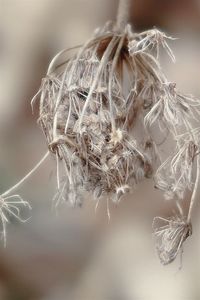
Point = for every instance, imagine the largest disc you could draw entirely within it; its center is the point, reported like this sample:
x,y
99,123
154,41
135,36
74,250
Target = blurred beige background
x,y
74,253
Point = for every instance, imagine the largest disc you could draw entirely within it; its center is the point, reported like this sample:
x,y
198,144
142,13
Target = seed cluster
x,y
100,110
89,110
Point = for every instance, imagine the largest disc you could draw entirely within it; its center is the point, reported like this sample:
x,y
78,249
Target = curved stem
x,y
101,67
14,187
52,66
196,184
123,13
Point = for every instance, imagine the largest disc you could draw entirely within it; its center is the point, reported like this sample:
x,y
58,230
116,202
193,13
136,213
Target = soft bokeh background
x,y
74,253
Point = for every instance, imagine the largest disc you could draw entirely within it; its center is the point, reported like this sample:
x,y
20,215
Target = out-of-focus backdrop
x,y
77,254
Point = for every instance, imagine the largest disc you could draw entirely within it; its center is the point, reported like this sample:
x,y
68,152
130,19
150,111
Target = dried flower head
x,y
170,236
100,110
94,110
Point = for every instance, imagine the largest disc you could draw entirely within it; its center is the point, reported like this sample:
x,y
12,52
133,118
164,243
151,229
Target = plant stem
x,y
103,63
123,13
195,190
14,187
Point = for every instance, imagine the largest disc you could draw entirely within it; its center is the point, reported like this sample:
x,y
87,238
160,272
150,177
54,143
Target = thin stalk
x,y
14,187
123,13
195,190
196,184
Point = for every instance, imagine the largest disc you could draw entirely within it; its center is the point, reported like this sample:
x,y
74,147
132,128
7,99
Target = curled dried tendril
x,y
170,236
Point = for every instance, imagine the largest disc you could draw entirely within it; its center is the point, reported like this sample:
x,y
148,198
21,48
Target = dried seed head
x,y
170,236
101,111
88,115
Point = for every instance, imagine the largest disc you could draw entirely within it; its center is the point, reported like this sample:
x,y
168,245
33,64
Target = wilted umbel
x,y
93,109
109,115
100,110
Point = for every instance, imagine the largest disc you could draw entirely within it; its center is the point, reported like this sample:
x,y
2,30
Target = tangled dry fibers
x,y
97,110
106,110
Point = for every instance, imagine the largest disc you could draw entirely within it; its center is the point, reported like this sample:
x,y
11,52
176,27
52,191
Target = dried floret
x,y
149,40
10,206
170,236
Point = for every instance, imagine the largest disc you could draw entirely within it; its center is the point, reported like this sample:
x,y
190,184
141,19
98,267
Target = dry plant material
x,y
93,110
10,207
170,236
102,109
11,204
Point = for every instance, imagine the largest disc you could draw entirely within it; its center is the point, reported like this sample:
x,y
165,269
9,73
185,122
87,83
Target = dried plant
x,y
10,206
170,236
99,109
